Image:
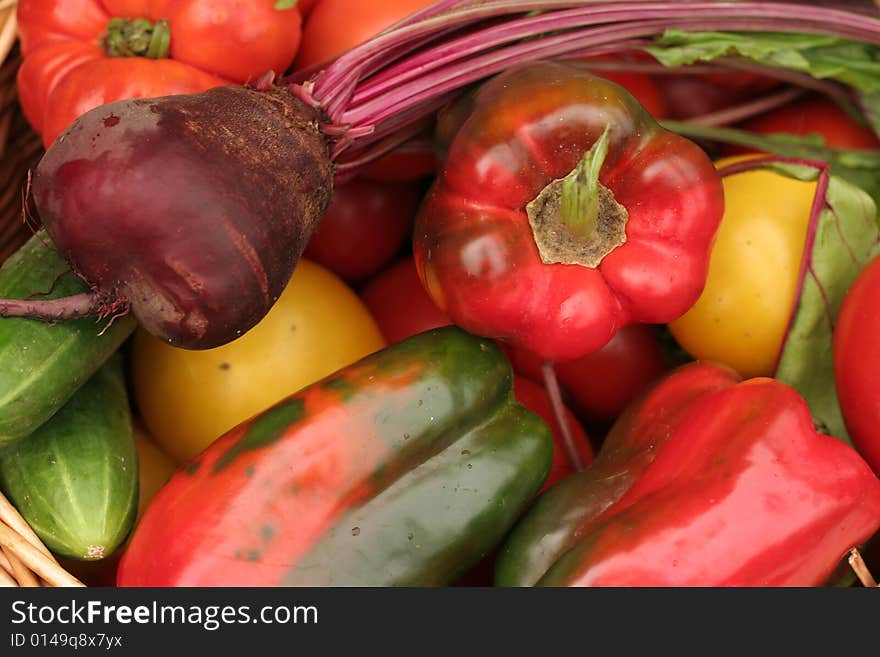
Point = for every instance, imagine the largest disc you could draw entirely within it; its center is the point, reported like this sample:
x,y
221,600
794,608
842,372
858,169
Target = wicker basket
x,y
24,560
20,147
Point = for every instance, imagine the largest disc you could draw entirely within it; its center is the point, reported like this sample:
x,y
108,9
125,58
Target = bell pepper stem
x,y
580,189
861,569
551,384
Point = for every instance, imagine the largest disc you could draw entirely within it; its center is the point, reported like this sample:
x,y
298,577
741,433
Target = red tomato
x,y
399,303
643,87
741,80
305,7
687,96
411,160
856,351
337,25
817,115
66,71
601,385
364,228
235,39
106,79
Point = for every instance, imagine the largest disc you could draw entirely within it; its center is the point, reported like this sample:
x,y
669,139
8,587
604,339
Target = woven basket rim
x,y
24,560
8,27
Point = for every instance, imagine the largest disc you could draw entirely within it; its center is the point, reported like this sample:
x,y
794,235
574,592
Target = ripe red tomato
x,y
643,87
856,351
411,160
814,115
69,67
335,26
364,228
399,303
745,80
235,39
682,96
305,7
601,385
687,96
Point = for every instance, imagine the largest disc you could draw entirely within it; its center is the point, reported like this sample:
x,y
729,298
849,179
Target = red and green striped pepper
x,y
708,481
405,468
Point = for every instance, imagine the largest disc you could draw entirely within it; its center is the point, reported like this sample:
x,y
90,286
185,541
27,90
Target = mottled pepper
x,y
708,481
405,468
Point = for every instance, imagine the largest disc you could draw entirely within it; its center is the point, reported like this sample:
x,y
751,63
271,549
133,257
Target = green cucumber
x,y
43,364
75,479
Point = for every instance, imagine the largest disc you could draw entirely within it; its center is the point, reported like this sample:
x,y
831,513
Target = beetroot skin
x,y
193,209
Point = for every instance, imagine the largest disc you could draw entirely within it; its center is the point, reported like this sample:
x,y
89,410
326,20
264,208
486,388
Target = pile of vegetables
x,y
511,168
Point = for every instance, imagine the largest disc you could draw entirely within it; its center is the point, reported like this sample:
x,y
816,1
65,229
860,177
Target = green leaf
x,y
821,56
871,109
847,237
281,5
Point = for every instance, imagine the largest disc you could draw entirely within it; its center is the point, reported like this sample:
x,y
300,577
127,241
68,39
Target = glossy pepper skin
x,y
473,241
405,468
707,481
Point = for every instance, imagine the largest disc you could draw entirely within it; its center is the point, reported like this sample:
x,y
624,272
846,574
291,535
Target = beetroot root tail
x,y
86,304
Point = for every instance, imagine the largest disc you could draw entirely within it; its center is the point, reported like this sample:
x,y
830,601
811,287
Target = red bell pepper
x,y
708,481
564,212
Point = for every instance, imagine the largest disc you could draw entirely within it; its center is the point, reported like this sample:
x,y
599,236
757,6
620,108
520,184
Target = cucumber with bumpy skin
x,y
42,364
75,479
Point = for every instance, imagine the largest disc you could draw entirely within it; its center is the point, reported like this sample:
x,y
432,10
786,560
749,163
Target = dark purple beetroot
x,y
193,208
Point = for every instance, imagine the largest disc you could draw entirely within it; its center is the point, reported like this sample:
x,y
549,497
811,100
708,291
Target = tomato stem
x,y
160,42
580,189
139,37
551,385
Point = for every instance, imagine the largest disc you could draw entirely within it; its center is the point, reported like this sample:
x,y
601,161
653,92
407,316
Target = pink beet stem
x,y
407,71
